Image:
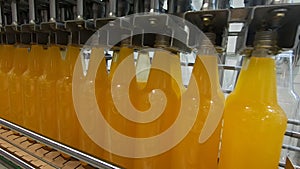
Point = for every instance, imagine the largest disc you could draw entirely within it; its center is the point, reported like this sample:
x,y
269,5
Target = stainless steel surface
x,y
1,23
294,121
31,12
171,6
52,8
154,6
62,14
14,12
79,9
112,8
277,17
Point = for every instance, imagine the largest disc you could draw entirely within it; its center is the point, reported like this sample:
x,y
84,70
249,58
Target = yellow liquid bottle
x,y
88,81
190,153
47,93
165,82
29,84
254,123
112,115
140,100
67,118
6,62
15,86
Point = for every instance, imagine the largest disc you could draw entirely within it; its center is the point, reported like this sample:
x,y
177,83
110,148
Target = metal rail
x,y
95,162
15,159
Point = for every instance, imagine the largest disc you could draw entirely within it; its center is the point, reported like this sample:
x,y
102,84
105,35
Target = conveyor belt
x,y
30,150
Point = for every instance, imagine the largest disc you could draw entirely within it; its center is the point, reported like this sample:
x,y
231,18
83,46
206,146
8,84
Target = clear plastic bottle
x,y
288,99
6,62
29,84
254,123
15,86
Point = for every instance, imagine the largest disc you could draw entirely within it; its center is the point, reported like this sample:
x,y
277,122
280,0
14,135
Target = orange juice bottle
x,y
88,82
190,153
15,86
162,77
67,118
6,62
254,124
112,115
29,84
47,93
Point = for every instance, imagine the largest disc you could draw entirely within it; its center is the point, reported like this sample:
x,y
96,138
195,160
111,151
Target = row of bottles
x,y
152,75
36,92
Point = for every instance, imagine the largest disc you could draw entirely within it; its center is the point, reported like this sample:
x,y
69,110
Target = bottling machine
x,y
231,30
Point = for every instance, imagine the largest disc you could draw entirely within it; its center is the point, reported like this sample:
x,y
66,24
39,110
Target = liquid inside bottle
x,y
89,81
68,123
113,115
47,93
254,123
164,77
190,152
29,84
15,86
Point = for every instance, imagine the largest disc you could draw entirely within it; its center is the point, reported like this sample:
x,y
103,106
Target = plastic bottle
x,y
15,86
88,81
190,153
254,123
167,82
6,62
68,123
288,99
112,115
29,84
47,93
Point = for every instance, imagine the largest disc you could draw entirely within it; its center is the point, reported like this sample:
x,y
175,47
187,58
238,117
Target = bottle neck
x,y
20,60
35,58
52,62
73,54
119,57
96,71
68,64
143,66
206,69
166,72
257,79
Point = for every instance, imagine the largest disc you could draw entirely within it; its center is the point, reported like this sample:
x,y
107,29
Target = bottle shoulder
x,y
254,109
